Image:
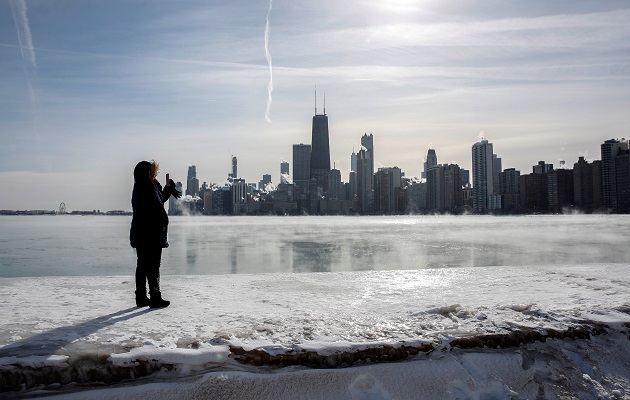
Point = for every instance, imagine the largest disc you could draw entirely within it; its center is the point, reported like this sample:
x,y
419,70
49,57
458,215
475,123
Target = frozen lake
x,y
471,306
99,245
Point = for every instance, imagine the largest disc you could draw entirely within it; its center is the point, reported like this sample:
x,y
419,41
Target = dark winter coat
x,y
149,224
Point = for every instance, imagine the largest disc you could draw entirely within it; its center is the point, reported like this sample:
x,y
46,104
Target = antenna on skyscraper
x,y
324,103
315,99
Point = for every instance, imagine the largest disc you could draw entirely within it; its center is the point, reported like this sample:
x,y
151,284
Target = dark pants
x,y
148,270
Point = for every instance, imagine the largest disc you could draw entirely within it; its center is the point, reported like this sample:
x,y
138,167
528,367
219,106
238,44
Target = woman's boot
x,y
141,297
141,290
156,300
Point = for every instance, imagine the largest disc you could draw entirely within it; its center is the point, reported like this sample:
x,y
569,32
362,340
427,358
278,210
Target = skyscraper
x,y
622,177
301,166
192,183
483,184
429,163
352,180
266,179
367,141
560,191
239,197
365,175
542,168
284,168
444,188
587,184
464,177
335,191
353,161
496,170
320,150
386,181
510,190
609,150
234,168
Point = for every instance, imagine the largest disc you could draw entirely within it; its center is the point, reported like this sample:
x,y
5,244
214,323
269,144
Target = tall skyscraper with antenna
x,y
320,148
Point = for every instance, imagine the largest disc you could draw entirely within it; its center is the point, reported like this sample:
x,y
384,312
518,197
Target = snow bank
x,y
495,332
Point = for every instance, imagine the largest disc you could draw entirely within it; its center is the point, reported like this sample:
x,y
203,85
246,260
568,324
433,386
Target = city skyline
x,y
91,89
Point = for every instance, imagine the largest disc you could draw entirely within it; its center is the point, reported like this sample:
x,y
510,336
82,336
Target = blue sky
x,y
89,88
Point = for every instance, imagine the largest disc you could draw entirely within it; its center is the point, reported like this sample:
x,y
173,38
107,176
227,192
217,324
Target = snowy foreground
x,y
467,333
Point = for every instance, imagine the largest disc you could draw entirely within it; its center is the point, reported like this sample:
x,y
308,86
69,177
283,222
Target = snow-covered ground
x,y
464,333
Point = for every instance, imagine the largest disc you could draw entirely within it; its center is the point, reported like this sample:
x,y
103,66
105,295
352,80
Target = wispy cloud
x,y
268,56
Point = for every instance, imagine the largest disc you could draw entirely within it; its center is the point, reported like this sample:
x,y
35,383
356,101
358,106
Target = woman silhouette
x,y
148,234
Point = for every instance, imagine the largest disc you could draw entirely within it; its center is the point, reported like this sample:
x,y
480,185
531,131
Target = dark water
x,y
98,245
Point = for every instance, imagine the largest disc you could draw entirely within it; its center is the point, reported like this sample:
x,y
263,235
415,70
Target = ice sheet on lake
x,y
337,319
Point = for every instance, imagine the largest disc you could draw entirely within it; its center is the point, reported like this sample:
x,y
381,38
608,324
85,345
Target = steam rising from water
x,y
268,55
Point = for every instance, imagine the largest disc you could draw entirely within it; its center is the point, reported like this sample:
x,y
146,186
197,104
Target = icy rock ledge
x,y
17,374
388,352
23,373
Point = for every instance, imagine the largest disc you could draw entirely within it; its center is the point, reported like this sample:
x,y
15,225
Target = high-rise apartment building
x,y
560,190
496,170
352,190
509,181
444,188
335,186
301,167
510,190
386,183
483,173
542,168
207,202
609,151
416,197
465,177
622,177
534,196
239,197
587,184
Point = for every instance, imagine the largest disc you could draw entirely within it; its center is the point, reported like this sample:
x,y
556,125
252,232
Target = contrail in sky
x,y
268,54
25,40
23,28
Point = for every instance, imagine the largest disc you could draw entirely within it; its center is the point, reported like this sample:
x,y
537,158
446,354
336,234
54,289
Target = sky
x,y
89,88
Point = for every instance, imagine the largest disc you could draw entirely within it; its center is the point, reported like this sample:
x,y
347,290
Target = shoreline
x,y
74,332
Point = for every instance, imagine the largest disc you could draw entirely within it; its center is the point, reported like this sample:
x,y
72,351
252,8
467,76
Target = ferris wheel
x,y
62,208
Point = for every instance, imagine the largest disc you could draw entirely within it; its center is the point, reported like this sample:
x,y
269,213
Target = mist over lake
x,y
89,246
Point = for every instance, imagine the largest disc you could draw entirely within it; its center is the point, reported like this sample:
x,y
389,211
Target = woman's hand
x,y
173,189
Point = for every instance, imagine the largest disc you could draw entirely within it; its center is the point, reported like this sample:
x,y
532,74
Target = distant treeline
x,y
51,212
